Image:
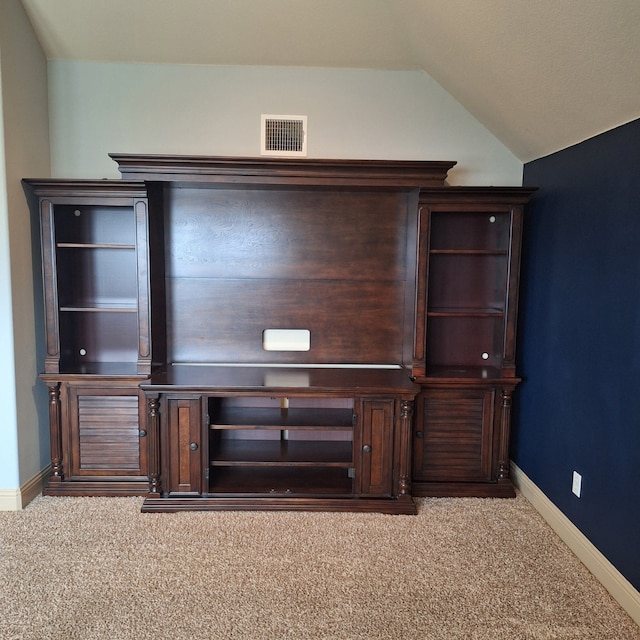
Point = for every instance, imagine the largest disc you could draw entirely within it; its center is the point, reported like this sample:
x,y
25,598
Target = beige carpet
x,y
96,568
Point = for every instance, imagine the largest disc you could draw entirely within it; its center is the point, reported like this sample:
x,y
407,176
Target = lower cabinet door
x,y
453,436
184,463
375,459
104,438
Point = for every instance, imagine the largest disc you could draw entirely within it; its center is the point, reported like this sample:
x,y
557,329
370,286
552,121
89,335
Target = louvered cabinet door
x,y
454,435
105,440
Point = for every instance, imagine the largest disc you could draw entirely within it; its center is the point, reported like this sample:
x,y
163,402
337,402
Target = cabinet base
x,y
397,507
97,489
500,489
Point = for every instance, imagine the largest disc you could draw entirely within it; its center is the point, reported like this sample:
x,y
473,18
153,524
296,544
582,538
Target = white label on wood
x,y
286,339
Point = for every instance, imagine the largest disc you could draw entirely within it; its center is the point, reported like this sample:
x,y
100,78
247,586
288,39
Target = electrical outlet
x,y
576,486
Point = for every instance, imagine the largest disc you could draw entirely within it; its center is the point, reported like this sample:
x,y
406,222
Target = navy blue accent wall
x,y
578,407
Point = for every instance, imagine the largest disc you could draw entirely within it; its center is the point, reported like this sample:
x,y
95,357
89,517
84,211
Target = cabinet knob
x,y
142,433
418,434
193,446
366,448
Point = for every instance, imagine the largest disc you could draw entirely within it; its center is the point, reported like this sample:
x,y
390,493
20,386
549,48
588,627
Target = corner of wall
x,y
611,579
18,499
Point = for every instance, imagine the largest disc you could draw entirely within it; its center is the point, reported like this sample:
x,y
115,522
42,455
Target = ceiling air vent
x,y
284,135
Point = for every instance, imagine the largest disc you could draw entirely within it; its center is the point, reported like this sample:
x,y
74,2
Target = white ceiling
x,y
541,75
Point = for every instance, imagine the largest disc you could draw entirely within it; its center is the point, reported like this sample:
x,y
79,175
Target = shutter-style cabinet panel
x,y
104,433
97,444
454,440
107,436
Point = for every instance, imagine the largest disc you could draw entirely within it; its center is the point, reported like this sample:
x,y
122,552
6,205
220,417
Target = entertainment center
x,y
276,333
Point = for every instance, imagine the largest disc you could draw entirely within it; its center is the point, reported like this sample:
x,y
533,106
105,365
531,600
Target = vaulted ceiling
x,y
541,75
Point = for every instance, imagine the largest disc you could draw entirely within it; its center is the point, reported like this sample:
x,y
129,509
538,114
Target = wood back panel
x,y
288,233
239,261
217,320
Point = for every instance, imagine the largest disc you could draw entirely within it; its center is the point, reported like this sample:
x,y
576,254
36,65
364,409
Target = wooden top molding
x,y
283,171
62,187
476,195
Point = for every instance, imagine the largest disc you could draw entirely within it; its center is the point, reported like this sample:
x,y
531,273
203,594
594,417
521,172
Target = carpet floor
x,y
465,568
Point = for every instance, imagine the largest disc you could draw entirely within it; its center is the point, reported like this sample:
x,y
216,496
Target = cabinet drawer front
x,y
105,434
453,438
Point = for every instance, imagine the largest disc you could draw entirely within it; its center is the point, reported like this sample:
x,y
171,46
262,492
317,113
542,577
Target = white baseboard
x,y
612,580
10,500
17,499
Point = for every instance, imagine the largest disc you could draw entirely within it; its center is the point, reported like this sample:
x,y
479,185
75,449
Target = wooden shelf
x,y
280,481
463,313
98,307
469,252
120,369
330,382
85,245
275,418
282,453
439,373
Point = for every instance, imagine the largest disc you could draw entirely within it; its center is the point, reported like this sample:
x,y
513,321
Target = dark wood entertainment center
x,y
273,333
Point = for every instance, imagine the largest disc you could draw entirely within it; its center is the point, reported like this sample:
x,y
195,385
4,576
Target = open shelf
x,y
465,340
95,225
280,481
471,312
97,307
275,418
79,245
89,368
469,373
260,447
468,281
299,453
468,252
97,335
97,277
470,231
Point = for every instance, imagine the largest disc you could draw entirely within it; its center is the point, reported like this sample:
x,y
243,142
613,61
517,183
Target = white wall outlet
x,y
576,486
